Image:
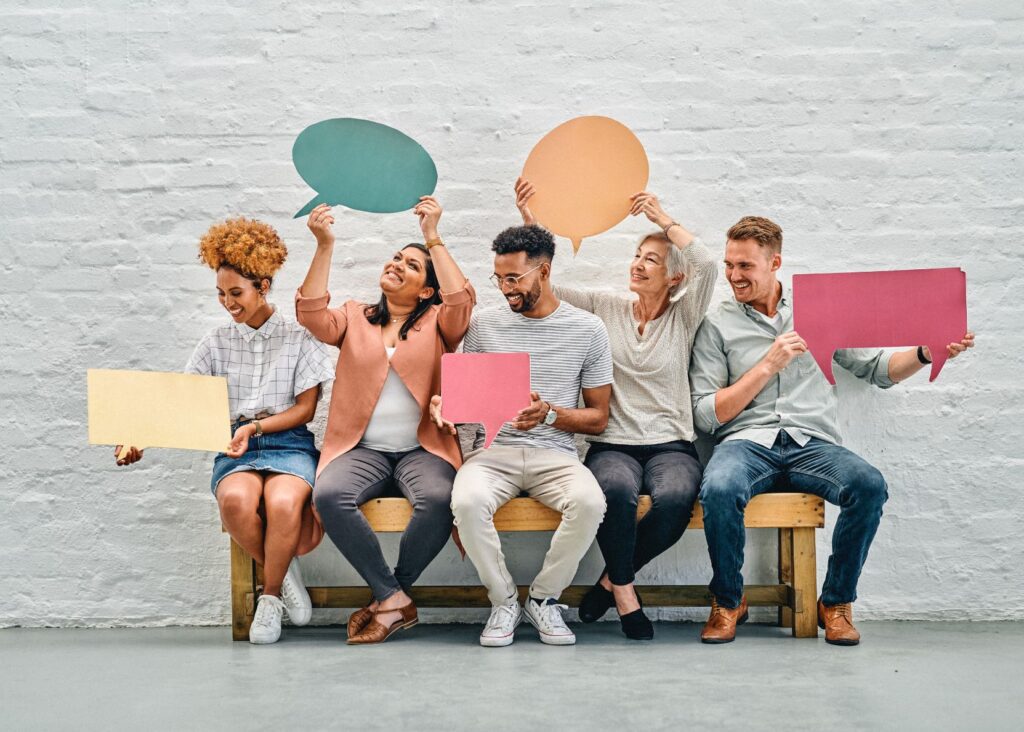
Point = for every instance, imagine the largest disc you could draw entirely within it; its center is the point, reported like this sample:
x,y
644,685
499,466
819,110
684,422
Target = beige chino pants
x,y
488,479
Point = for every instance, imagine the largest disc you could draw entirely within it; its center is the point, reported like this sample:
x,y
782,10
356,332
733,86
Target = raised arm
x,y
457,295
328,325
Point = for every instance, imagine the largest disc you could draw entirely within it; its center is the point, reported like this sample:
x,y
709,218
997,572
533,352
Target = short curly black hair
x,y
536,241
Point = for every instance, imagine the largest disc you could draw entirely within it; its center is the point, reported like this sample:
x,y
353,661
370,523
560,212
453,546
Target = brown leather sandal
x,y
375,632
359,620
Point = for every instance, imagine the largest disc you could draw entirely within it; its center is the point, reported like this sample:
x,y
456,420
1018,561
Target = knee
x,y
332,499
284,507
586,506
871,488
437,502
469,501
619,491
722,489
235,505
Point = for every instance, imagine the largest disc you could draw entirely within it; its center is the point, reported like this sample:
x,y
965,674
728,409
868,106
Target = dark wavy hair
x,y
536,241
378,314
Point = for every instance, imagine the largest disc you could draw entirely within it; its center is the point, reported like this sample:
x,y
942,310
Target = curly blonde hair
x,y
251,248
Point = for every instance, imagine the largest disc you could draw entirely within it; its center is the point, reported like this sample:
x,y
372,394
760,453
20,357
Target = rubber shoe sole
x,y
504,640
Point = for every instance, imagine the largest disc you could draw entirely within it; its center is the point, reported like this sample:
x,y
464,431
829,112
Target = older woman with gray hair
x,y
647,447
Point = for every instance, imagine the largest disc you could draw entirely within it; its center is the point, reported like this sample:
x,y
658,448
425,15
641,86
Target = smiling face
x,y
750,269
648,274
404,279
240,296
524,295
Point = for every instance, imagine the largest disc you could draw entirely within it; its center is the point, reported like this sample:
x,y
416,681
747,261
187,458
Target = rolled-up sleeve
x,y
326,324
201,360
454,314
709,372
867,364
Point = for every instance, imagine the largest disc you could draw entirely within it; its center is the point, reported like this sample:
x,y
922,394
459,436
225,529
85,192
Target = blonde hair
x,y
251,248
764,231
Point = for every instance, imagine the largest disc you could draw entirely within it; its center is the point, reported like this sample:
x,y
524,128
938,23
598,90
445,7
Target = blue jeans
x,y
741,469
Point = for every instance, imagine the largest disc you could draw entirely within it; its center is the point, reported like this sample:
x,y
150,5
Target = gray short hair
x,y
674,260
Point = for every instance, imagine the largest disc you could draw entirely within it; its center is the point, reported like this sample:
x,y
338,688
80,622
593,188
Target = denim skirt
x,y
291,452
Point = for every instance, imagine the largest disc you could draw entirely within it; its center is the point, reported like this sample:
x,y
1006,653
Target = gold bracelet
x,y
431,243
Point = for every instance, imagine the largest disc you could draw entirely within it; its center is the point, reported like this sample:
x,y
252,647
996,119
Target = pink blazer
x,y
363,366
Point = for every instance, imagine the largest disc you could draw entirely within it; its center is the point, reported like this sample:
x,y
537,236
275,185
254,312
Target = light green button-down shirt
x,y
799,400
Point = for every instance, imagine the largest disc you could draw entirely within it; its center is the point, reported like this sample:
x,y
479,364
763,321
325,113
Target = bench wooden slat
x,y
470,596
769,510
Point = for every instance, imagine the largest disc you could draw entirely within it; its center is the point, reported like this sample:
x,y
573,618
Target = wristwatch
x,y
552,416
920,356
258,426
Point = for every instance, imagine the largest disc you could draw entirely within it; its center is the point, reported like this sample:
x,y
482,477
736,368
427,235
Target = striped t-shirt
x,y
568,350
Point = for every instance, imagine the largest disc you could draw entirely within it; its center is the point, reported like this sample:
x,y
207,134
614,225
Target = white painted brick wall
x,y
879,134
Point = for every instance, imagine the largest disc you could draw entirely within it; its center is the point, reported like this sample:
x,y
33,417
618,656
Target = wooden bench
x,y
794,515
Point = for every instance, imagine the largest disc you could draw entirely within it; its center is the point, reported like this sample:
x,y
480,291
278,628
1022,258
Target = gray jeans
x,y
362,474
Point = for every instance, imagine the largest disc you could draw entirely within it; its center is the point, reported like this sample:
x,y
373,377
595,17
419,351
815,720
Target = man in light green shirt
x,y
756,388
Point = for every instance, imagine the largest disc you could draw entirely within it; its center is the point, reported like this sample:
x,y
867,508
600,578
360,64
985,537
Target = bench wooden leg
x,y
243,592
805,584
786,573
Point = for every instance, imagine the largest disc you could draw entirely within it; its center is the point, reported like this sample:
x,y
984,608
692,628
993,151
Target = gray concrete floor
x,y
905,676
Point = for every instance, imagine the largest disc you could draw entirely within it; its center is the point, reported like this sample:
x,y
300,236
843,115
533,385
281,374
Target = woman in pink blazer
x,y
379,436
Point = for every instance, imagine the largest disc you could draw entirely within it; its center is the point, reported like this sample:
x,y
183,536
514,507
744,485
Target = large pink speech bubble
x,y
909,307
489,388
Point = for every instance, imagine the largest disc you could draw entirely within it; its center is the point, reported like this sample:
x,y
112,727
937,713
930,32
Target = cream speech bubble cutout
x,y
154,409
583,173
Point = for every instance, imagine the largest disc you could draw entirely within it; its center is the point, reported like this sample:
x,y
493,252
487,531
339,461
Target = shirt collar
x,y
264,331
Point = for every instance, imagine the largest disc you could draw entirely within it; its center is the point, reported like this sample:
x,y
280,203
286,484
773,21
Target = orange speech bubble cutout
x,y
583,173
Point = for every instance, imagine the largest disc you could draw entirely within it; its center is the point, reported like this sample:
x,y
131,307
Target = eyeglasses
x,y
511,280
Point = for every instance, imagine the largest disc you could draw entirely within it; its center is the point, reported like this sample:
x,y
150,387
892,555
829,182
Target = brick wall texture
x,y
880,135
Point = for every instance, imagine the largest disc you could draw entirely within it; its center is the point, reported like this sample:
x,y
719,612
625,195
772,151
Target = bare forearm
x,y
585,420
904,364
315,284
449,276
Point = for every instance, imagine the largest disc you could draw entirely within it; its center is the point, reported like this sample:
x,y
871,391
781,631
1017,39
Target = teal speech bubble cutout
x,y
364,165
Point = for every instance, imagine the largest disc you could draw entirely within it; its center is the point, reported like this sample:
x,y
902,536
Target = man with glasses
x,y
535,453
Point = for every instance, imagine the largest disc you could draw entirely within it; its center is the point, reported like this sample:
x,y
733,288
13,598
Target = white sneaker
x,y
266,623
501,626
547,618
295,597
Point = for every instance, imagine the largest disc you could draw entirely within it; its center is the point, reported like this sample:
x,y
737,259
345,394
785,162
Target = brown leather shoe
x,y
375,632
721,625
837,621
359,620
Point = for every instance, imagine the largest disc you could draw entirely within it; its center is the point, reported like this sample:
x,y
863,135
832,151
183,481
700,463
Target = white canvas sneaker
x,y
293,594
501,626
547,618
266,623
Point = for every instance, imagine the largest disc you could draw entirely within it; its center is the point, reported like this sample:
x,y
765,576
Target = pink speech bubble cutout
x,y
880,310
489,388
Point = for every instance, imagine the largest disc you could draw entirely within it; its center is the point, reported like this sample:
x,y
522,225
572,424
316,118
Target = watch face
x,y
550,417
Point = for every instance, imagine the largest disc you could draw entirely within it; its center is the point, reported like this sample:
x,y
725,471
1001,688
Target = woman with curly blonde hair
x,y
263,481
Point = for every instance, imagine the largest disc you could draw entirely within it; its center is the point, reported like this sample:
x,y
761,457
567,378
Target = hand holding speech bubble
x,y
584,172
489,388
153,409
926,307
364,165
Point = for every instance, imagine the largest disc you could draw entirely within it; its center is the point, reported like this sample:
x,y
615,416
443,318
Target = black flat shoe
x,y
637,626
595,604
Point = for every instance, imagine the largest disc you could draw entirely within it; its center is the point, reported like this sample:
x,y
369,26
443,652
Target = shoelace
x,y
265,611
843,611
552,617
289,592
495,621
